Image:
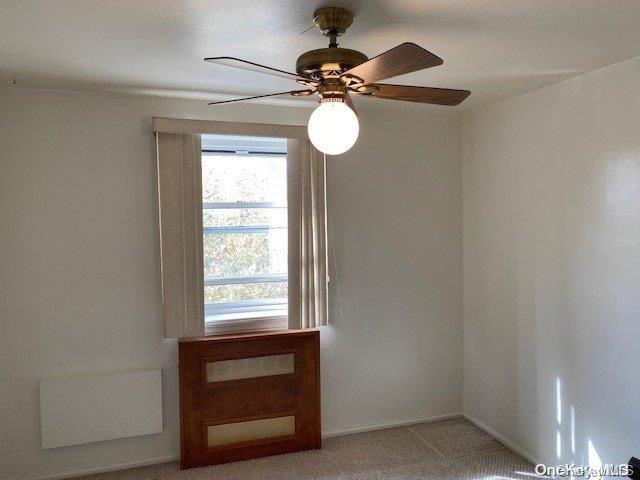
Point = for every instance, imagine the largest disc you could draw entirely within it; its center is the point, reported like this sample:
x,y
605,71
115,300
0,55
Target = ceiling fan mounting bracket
x,y
351,81
303,93
366,89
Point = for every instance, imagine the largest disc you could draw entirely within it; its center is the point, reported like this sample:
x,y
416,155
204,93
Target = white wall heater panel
x,y
86,410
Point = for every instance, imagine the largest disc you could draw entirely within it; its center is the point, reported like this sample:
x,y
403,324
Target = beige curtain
x,y
307,235
180,208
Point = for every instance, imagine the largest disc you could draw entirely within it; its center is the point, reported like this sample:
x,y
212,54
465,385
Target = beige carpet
x,y
446,449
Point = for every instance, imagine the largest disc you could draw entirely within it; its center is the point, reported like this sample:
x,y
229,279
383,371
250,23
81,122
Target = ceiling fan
x,y
335,73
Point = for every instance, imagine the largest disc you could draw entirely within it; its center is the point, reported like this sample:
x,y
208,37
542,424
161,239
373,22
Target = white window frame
x,y
260,148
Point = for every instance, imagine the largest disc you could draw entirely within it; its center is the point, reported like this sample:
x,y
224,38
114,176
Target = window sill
x,y
246,324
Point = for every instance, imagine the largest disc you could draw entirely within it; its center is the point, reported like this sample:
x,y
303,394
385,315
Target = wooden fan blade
x,y
349,101
437,96
255,67
295,93
405,58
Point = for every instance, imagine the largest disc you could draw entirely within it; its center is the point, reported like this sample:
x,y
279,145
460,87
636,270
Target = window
x,y
254,256
244,190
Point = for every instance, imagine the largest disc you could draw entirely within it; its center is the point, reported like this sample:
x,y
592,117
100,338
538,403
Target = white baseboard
x,y
513,446
172,457
334,432
110,467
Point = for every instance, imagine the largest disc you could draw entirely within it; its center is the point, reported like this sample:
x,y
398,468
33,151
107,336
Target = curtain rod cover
x,y
197,127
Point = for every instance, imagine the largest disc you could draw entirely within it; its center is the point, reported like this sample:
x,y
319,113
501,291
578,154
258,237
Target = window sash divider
x,y
244,153
240,280
241,205
228,230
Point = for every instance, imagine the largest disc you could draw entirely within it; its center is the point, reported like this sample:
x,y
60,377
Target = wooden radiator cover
x,y
247,396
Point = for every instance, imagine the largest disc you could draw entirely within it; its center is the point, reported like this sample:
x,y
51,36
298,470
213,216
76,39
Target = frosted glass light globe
x,y
333,128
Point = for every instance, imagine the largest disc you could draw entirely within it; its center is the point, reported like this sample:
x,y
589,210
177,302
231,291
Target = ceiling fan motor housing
x,y
318,63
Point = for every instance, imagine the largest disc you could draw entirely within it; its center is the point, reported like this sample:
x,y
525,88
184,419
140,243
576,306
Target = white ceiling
x,y
495,48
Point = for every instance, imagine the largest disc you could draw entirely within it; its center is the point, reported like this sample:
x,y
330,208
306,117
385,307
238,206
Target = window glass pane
x,y
237,254
245,292
244,178
274,217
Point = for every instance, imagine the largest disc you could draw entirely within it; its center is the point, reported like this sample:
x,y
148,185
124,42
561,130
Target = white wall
x,y
79,288
552,267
